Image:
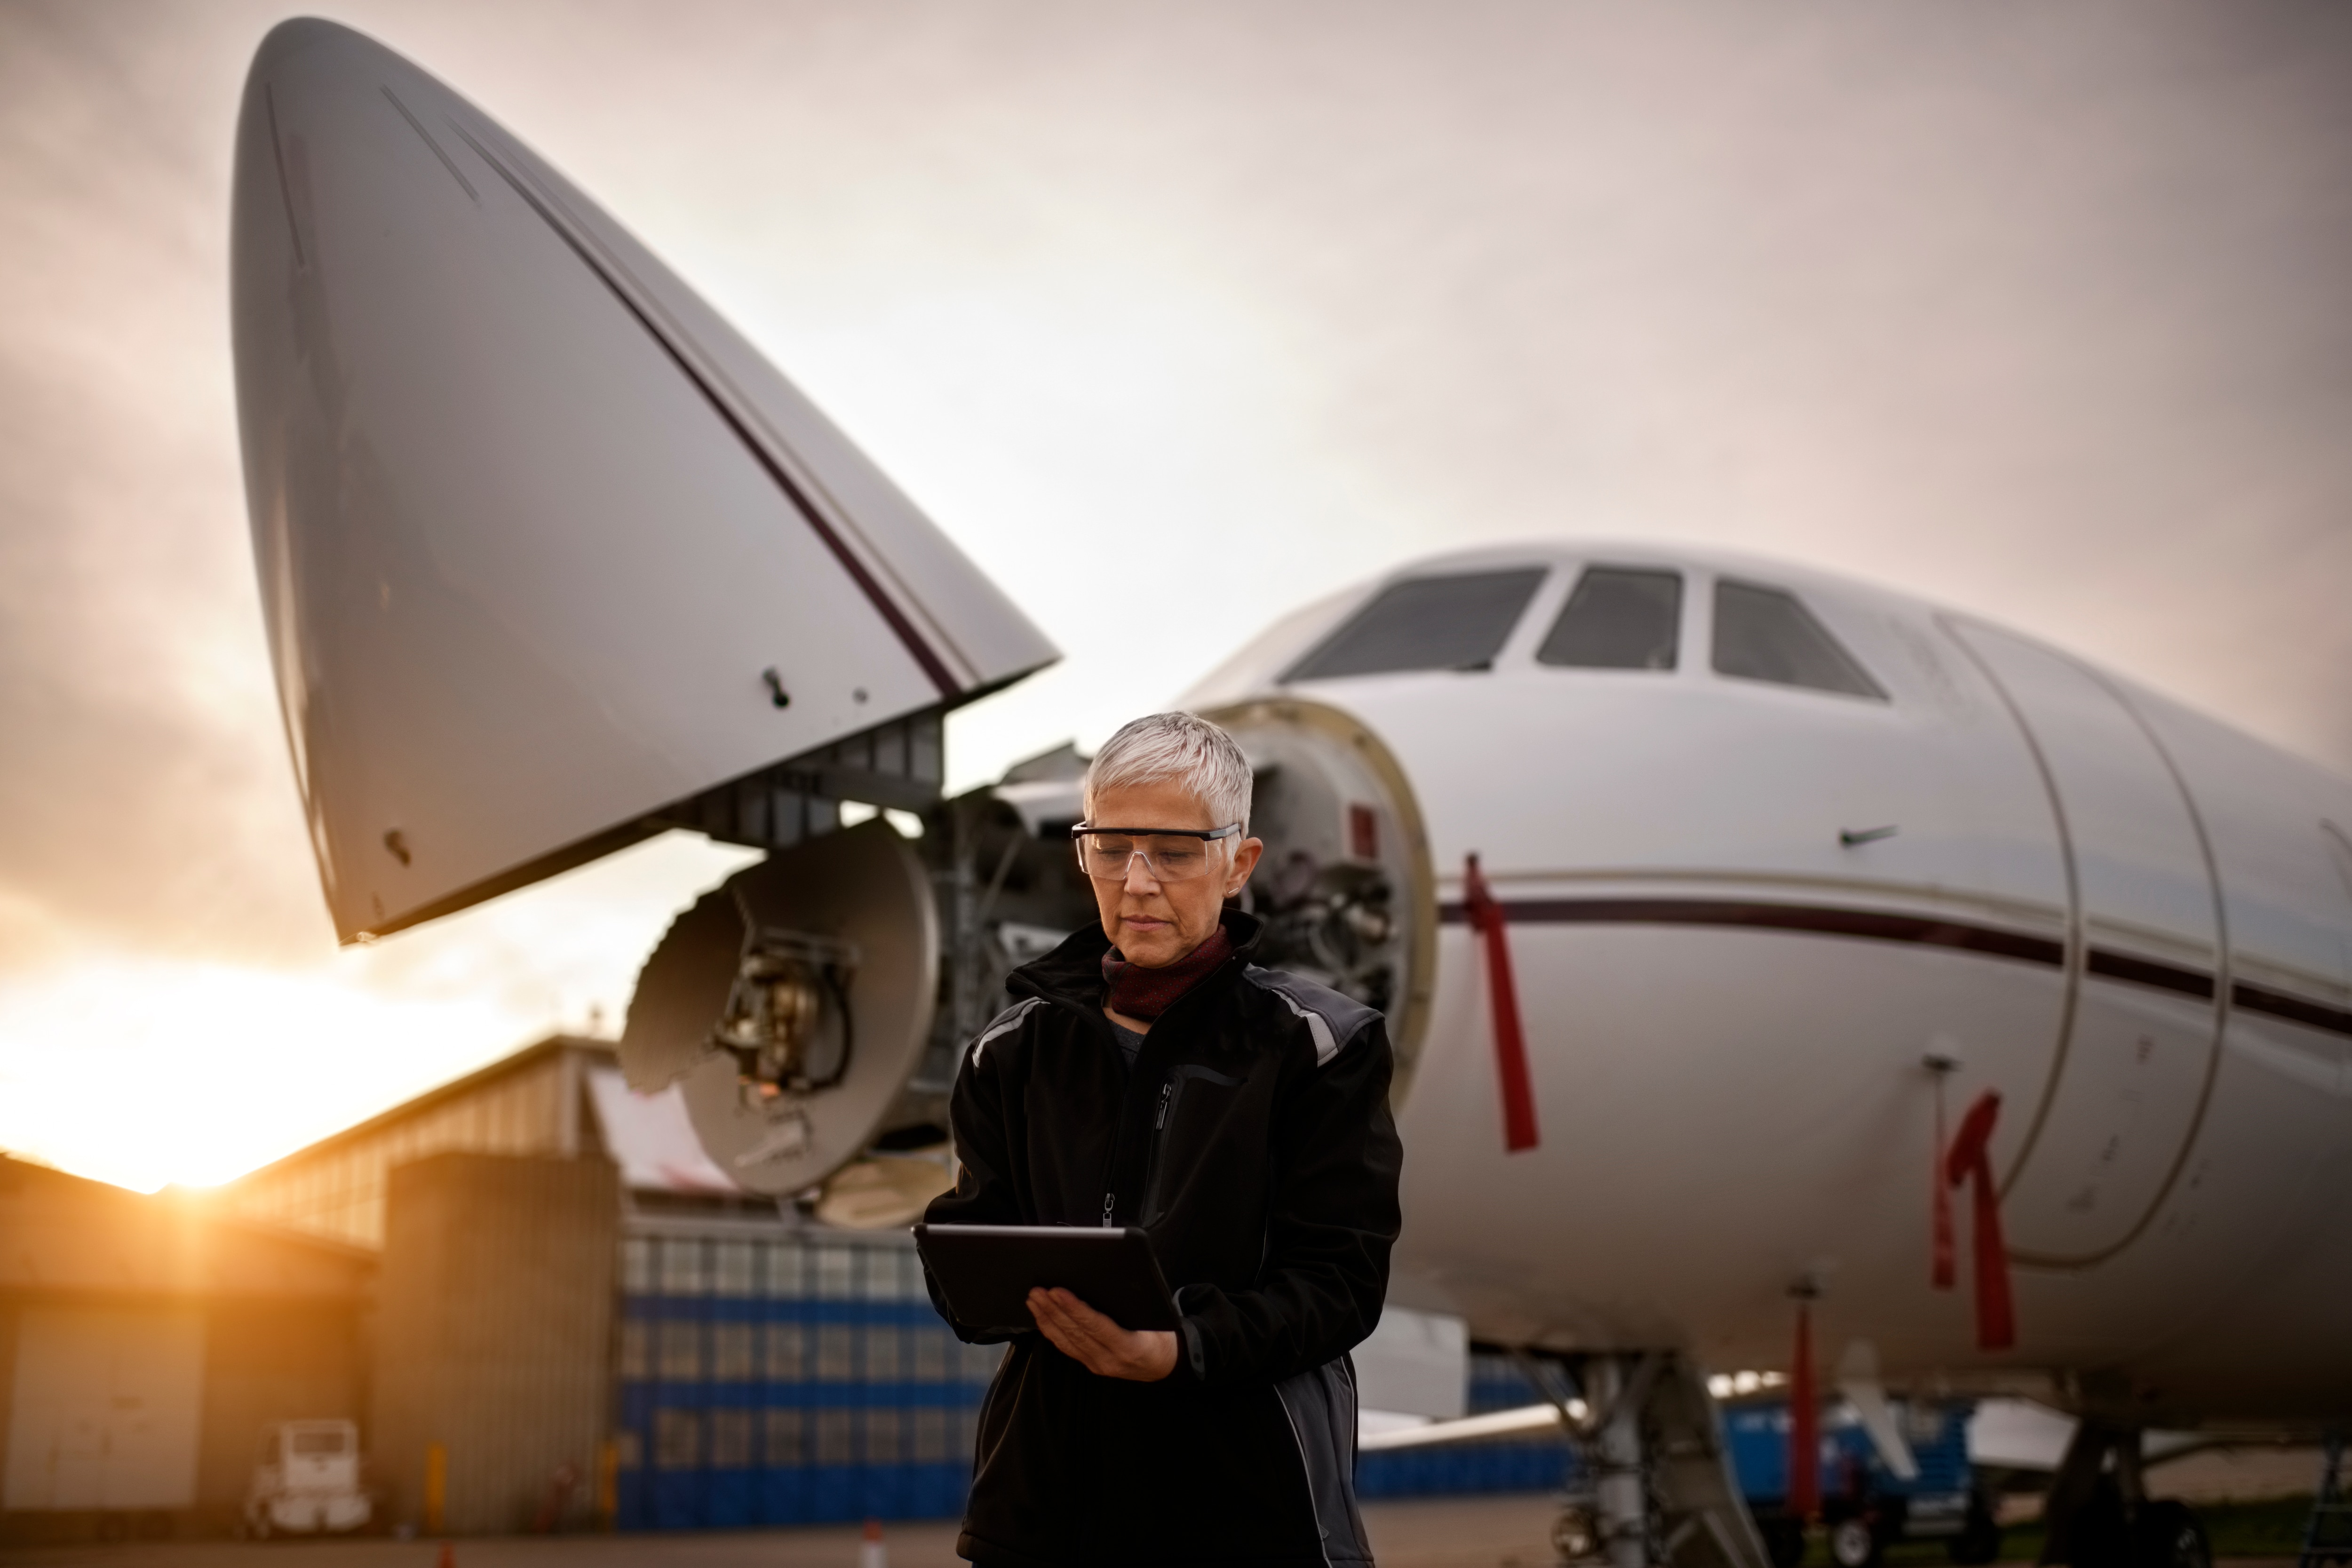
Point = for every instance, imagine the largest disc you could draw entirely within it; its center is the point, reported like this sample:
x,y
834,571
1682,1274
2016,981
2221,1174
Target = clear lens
x,y
1170,857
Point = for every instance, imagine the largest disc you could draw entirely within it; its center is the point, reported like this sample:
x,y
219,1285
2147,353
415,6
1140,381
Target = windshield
x,y
1425,623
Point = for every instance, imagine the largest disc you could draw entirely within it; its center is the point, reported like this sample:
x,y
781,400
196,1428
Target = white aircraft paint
x,y
1729,1006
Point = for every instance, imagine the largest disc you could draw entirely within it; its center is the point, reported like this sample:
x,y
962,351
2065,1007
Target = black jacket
x,y
1253,1140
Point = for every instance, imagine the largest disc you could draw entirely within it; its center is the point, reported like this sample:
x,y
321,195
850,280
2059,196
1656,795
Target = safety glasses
x,y
1169,854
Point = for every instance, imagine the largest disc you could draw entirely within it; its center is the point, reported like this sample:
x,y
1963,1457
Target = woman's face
x,y
1155,923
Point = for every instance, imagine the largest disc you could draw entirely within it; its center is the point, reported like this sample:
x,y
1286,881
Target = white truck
x,y
307,1480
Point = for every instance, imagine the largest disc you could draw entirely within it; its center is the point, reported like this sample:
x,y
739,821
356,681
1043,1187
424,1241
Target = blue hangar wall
x,y
788,1381
805,1378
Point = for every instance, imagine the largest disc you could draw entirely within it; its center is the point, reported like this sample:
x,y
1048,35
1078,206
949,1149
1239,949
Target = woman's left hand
x,y
1102,1346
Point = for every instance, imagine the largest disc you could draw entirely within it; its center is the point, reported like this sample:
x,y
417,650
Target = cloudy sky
x,y
2041,310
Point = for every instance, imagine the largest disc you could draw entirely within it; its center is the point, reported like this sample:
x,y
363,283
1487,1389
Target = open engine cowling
x,y
550,557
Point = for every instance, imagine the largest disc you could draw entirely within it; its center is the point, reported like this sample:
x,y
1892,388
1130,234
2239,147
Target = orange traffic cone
x,y
871,1552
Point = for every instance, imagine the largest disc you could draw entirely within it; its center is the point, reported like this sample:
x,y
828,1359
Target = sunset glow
x,y
148,1071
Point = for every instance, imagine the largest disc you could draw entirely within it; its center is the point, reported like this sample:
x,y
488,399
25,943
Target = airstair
x,y
2327,1537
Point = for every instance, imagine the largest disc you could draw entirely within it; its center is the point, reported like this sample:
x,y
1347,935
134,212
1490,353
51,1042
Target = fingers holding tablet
x,y
1100,1344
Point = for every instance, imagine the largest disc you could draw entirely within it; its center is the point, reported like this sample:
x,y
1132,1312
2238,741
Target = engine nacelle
x,y
1345,887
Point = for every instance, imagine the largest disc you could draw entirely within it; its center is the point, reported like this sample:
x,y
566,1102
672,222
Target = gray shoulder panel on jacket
x,y
1004,1023
1333,1020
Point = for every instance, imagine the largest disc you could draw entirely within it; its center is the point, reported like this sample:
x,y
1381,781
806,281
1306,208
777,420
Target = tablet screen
x,y
986,1272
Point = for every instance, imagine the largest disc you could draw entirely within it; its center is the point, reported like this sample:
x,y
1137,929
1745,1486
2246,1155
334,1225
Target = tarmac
x,y
1506,1530
1496,1530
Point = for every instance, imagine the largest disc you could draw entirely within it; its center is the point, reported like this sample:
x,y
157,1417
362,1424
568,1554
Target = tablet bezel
x,y
1117,1264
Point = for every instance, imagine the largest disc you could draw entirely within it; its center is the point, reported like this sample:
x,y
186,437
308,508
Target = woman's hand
x,y
1102,1346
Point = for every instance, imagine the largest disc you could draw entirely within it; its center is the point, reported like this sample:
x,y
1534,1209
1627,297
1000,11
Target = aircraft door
x,y
2139,1040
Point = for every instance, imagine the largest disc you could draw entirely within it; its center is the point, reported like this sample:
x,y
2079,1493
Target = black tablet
x,y
986,1272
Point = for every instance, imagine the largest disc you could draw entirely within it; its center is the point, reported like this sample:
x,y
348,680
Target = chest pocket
x,y
1192,1107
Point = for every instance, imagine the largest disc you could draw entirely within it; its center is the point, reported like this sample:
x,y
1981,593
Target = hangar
x,y
729,1361
143,1342
542,1304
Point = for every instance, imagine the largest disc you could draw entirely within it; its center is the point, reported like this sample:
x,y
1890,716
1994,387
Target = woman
x,y
1148,1074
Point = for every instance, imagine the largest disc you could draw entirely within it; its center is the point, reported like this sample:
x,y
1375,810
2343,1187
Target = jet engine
x,y
797,1006
792,1005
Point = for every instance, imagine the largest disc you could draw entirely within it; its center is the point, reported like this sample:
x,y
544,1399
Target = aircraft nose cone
x,y
540,537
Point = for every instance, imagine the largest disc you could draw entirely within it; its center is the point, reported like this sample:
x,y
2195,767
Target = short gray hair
x,y
1179,746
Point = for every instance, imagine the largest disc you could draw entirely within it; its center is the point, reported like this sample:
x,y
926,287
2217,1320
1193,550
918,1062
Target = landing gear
x,y
1618,1393
2100,1516
1659,1490
1575,1534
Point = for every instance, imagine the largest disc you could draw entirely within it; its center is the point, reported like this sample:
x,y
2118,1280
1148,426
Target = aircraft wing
x,y
1382,1437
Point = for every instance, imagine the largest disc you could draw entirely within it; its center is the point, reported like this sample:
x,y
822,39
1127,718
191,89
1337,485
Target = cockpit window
x,y
1764,633
1618,618
1425,623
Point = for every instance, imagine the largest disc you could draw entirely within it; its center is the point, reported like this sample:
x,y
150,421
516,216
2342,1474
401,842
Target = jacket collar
x,y
1071,972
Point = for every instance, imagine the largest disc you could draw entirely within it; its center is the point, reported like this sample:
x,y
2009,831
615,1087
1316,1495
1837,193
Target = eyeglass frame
x,y
1079,830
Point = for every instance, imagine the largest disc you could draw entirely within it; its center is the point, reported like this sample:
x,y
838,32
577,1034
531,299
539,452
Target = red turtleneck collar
x,y
1140,992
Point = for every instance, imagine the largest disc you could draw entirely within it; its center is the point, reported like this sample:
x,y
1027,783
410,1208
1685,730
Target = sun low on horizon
x,y
215,1068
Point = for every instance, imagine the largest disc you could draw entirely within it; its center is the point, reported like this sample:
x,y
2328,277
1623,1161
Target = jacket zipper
x,y
1159,1122
1151,1163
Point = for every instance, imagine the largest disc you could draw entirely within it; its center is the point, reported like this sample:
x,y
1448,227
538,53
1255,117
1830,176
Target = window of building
x,y
677,1439
681,1351
933,1347
835,1354
1618,618
636,1358
837,1273
781,1271
638,1266
786,1438
787,1357
836,1438
1425,623
731,1352
734,1270
930,1435
1764,633
731,1439
682,1273
882,1354
885,1435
